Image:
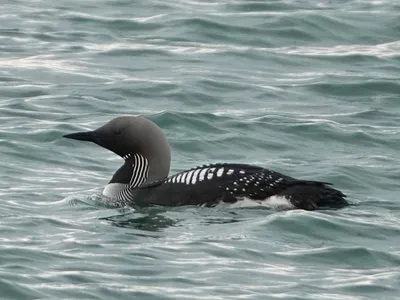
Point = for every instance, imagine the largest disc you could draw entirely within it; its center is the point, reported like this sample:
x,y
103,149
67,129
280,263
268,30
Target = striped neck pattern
x,y
140,169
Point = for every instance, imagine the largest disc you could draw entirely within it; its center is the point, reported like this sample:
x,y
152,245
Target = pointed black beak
x,y
89,136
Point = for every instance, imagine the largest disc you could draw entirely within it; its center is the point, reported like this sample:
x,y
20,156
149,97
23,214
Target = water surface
x,y
307,88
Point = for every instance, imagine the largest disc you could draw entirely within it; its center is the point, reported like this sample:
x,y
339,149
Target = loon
x,y
143,178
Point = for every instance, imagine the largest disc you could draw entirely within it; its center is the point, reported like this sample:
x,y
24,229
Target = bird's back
x,y
212,184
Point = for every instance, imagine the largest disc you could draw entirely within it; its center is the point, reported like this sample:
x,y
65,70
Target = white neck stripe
x,y
140,170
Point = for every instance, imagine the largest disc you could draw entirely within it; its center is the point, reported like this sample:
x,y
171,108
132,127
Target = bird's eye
x,y
117,132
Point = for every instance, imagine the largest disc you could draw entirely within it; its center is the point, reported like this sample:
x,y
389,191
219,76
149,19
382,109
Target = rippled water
x,y
307,88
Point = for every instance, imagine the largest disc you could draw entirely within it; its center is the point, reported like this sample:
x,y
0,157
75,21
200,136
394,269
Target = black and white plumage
x,y
132,174
143,179
214,184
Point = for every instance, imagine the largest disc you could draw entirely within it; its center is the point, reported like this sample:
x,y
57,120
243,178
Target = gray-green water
x,y
308,88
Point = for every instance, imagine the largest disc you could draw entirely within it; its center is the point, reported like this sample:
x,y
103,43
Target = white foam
x,y
274,202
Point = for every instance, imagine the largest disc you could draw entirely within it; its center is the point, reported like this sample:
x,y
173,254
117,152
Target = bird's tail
x,y
311,195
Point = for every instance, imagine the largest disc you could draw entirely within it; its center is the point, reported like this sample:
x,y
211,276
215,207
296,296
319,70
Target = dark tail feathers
x,y
311,195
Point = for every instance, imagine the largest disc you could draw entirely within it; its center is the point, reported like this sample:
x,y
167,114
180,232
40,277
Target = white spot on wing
x,y
195,175
202,173
189,176
230,171
183,177
210,173
220,172
178,179
242,172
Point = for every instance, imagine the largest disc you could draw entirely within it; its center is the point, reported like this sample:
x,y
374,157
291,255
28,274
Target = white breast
x,y
111,190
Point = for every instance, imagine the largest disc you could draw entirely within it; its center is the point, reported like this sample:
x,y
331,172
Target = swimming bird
x,y
143,178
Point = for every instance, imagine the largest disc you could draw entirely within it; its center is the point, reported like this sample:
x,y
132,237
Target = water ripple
x,y
305,88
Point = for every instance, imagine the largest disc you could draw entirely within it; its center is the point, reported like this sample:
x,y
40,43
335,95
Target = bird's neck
x,y
138,170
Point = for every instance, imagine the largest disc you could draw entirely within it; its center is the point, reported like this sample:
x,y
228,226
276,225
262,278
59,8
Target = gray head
x,y
130,136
